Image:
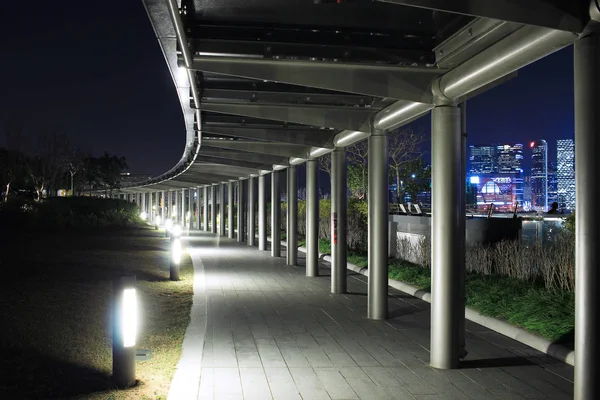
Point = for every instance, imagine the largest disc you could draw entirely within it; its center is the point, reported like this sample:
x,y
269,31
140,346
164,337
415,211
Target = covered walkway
x,y
264,330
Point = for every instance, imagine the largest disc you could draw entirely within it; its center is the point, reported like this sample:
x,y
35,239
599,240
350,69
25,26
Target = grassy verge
x,y
55,310
529,305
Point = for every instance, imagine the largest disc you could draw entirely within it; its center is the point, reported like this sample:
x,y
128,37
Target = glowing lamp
x,y
176,252
143,215
157,220
168,225
176,230
125,324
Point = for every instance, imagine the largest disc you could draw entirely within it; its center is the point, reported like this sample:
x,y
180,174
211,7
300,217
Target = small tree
x,y
358,169
325,163
47,161
404,150
415,178
110,168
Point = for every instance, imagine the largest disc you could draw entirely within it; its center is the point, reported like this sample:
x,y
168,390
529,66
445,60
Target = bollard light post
x,y
175,253
156,222
125,325
168,226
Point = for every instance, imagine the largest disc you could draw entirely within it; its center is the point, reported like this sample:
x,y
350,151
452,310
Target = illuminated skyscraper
x,y
539,175
509,158
565,175
552,184
482,160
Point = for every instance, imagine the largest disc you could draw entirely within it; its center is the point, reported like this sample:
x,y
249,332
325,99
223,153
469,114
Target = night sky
x,y
99,75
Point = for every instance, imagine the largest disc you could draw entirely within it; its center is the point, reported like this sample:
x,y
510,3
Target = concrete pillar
x,y
292,217
213,209
240,211
205,210
143,203
190,208
222,209
446,142
312,218
275,215
339,186
262,214
230,208
587,186
377,307
251,214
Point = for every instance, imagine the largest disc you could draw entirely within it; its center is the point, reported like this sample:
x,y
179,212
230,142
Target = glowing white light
x,y
176,231
474,180
318,151
397,113
174,213
168,225
350,138
157,220
188,215
176,251
129,317
143,215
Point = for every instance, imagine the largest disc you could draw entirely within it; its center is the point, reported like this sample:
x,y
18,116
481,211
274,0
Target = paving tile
x,y
271,332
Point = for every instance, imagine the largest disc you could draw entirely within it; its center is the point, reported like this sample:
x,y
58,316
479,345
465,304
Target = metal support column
x,y
275,215
251,214
176,208
262,214
240,211
462,228
183,208
198,209
378,226
213,209
312,218
292,217
143,203
230,207
222,209
587,235
205,209
163,205
446,142
339,267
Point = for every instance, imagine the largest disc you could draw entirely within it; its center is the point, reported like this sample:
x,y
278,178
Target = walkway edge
x,y
539,343
186,381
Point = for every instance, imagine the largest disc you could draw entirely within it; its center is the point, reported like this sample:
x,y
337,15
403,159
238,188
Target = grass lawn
x,y
55,312
529,305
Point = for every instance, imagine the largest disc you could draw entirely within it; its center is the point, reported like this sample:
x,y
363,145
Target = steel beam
x,y
587,235
274,149
292,217
224,161
222,209
275,215
213,209
330,117
262,213
309,137
529,12
251,215
312,218
286,97
230,208
242,156
377,302
446,265
339,186
392,81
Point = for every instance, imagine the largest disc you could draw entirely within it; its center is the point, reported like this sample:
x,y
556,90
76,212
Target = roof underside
x,y
275,78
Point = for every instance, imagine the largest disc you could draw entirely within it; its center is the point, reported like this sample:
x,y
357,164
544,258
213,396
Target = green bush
x,y
69,212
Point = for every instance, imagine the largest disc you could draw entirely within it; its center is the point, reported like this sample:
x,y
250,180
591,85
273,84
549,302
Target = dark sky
x,y
98,75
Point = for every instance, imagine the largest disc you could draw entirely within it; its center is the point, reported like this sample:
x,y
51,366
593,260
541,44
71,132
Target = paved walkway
x,y
272,333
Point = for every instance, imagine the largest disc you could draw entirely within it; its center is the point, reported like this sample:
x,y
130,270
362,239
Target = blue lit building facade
x,y
539,175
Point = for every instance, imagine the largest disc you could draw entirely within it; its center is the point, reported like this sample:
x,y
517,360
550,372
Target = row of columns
x,y
448,222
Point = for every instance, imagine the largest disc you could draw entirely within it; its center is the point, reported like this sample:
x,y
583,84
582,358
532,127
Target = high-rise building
x,y
552,183
482,160
509,158
565,173
539,175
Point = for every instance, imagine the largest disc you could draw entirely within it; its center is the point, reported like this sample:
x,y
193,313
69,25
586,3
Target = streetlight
x,y
125,324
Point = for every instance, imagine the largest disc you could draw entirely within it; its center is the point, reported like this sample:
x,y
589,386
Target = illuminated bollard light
x,y
168,227
176,251
143,215
156,222
125,324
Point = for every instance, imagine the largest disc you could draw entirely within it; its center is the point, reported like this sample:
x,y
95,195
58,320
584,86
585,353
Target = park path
x,y
263,330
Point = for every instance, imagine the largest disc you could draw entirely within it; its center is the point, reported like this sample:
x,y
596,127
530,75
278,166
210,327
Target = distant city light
x,y
474,180
531,144
414,176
